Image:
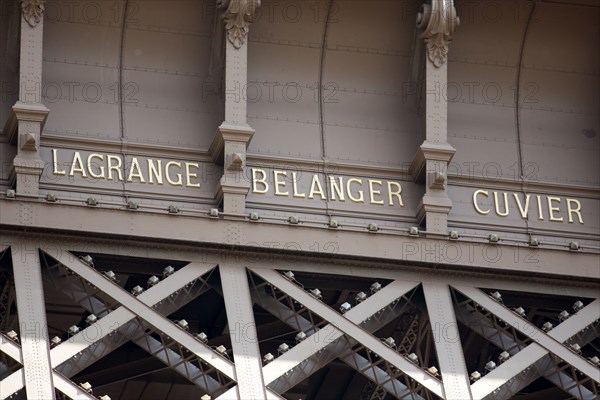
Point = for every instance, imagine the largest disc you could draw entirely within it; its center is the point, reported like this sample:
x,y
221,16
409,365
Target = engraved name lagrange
x,y
112,167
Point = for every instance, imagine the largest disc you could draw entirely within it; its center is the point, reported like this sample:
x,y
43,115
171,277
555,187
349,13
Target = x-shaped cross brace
x,y
63,384
544,343
166,297
507,342
339,348
348,324
121,321
133,307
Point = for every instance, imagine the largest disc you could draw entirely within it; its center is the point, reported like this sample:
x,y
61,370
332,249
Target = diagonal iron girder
x,y
7,386
406,334
543,367
363,314
153,320
329,343
544,343
148,314
326,344
346,326
110,331
340,348
165,297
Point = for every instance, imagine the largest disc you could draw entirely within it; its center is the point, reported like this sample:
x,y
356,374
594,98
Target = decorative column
x,y
234,134
436,21
29,114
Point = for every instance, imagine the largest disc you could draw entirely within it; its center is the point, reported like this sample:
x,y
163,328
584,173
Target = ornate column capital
x,y
33,11
237,16
437,19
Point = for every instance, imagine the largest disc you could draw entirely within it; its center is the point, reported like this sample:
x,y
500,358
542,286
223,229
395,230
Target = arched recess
x,y
361,59
145,72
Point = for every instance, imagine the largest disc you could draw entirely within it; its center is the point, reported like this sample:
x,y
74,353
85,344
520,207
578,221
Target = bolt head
x,y
373,227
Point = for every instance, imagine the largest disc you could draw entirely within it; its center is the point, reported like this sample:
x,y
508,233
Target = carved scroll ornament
x,y
33,11
438,21
237,16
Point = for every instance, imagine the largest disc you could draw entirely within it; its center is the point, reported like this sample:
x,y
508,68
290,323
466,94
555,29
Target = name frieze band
x,y
302,185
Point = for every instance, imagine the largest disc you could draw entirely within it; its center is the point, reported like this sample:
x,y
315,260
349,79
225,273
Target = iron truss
x,y
407,338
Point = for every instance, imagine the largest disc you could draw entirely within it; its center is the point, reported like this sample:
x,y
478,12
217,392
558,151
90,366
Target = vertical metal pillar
x,y
436,22
447,341
26,122
234,135
32,321
244,339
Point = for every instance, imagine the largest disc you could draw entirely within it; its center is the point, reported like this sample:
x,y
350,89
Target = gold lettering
x,y
138,174
360,198
100,168
155,171
316,184
55,162
395,193
336,188
278,183
116,167
178,182
79,168
552,209
262,181
574,210
479,210
295,185
373,192
539,204
506,210
523,210
189,174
